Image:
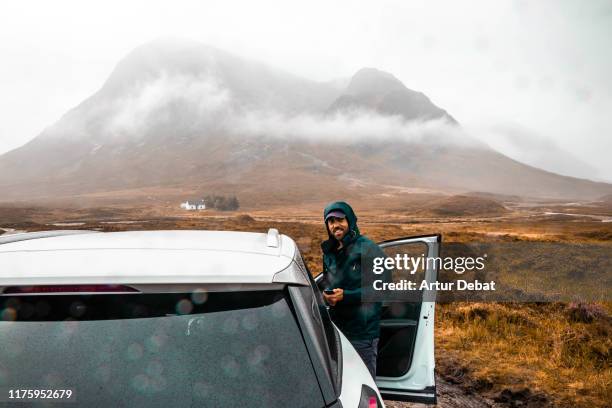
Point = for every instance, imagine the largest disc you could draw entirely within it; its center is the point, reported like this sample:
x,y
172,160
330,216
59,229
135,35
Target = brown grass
x,y
542,347
467,205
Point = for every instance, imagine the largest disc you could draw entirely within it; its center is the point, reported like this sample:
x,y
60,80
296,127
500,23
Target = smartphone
x,y
328,291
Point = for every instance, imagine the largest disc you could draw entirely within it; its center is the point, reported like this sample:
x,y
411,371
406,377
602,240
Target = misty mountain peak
x,y
373,81
192,65
169,56
381,92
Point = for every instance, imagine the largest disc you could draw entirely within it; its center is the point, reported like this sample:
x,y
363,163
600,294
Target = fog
x,y
529,78
201,100
356,126
199,106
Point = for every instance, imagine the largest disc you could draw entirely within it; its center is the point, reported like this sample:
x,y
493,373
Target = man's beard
x,y
342,231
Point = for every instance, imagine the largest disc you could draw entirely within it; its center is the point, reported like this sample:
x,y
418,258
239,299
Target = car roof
x,y
149,258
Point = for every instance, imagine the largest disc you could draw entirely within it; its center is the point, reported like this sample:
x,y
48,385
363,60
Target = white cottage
x,y
193,205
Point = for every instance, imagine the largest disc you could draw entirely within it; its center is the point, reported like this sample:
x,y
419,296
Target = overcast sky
x,y
531,78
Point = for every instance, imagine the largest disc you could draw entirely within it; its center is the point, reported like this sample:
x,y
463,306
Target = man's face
x,y
338,227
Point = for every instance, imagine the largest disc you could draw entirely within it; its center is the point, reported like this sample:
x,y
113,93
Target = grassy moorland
x,y
551,353
530,354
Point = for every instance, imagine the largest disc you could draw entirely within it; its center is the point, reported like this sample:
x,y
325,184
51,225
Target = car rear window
x,y
191,349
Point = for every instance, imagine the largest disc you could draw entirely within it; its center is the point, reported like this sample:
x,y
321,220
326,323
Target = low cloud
x,y
182,105
529,147
353,126
163,100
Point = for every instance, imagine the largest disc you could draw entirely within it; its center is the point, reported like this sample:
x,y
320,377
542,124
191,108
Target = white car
x,y
192,318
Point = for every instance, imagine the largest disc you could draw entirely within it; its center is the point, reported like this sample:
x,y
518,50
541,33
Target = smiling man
x,y
346,256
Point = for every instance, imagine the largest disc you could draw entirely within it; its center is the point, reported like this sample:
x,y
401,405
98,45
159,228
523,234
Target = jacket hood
x,y
353,233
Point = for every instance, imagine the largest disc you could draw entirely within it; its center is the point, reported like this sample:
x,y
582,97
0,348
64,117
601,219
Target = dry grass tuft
x,y
585,312
542,347
243,218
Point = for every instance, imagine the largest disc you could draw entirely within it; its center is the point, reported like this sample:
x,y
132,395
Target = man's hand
x,y
335,297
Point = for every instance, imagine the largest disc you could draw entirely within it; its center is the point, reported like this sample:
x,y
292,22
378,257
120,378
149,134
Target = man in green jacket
x,y
346,256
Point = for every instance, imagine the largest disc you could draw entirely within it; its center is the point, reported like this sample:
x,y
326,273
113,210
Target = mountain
x,y
178,117
251,83
371,89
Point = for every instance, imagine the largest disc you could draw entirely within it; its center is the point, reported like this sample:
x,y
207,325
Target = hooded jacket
x,y
342,268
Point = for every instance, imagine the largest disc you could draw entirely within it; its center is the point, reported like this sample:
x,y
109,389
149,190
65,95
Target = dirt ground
x,y
450,396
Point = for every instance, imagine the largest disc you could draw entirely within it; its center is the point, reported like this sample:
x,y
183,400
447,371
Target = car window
x,y
192,349
331,337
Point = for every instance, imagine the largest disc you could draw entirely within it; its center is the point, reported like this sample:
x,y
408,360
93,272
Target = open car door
x,y
405,369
